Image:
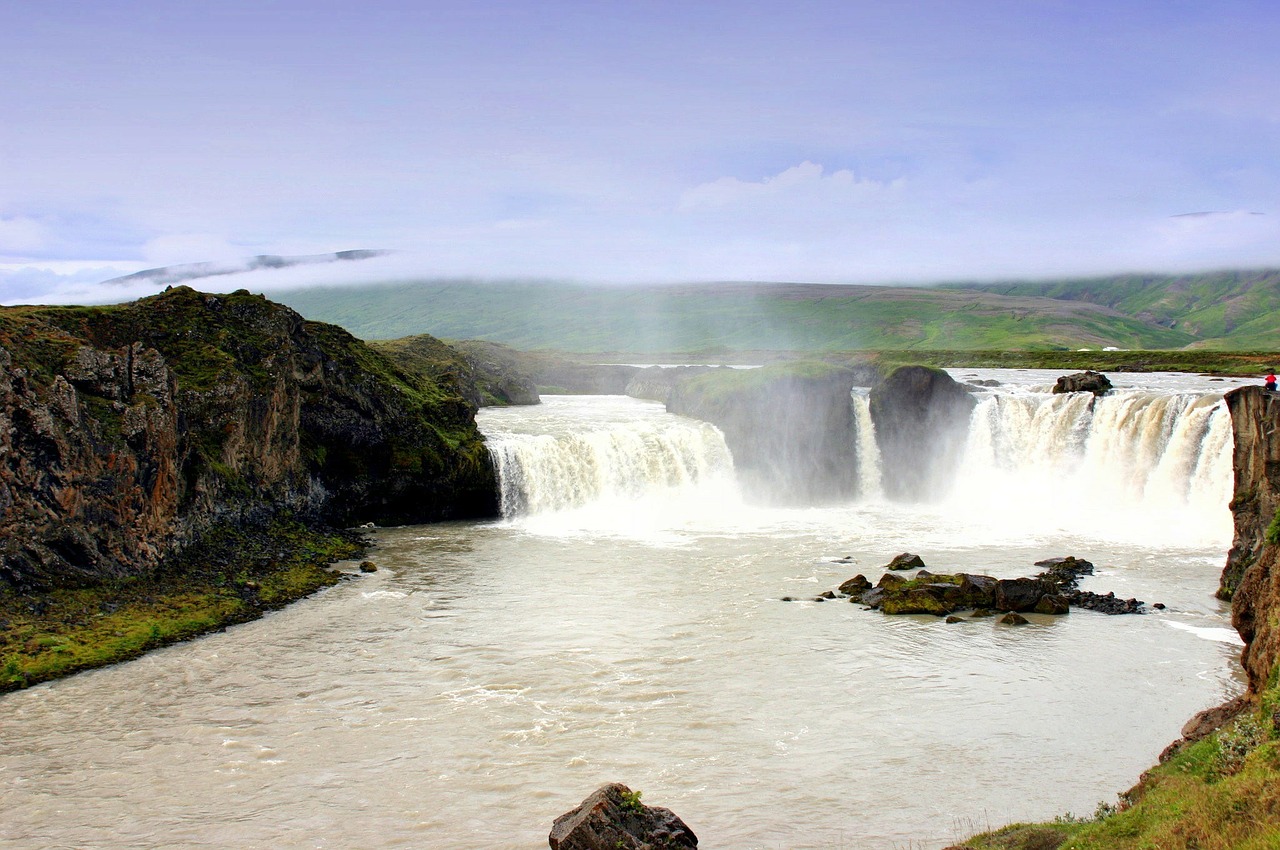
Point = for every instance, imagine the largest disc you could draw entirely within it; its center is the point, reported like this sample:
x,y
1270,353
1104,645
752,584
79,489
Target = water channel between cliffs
x,y
625,624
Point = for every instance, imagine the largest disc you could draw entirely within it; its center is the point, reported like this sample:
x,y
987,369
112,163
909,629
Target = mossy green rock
x,y
916,600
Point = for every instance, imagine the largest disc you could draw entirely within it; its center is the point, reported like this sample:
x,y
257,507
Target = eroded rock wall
x,y
1251,578
791,430
126,432
921,416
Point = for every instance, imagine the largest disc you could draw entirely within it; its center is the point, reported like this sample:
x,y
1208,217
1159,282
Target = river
x,y
624,623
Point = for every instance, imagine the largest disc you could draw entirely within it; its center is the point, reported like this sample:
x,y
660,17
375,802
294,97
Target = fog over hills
x,y
1222,310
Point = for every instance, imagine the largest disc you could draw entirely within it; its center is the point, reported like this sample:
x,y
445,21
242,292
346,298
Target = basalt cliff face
x,y
1251,578
790,427
126,432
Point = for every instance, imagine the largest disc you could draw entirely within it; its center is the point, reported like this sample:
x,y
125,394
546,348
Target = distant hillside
x,y
719,317
1223,310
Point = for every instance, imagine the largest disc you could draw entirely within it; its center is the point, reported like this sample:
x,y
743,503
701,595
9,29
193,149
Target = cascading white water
x,y
547,461
869,480
1158,462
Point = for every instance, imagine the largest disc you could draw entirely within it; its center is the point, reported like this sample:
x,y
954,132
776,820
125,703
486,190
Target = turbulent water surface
x,y
624,623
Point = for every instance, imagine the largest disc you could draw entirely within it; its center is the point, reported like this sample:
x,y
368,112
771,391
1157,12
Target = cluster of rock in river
x,y
1052,591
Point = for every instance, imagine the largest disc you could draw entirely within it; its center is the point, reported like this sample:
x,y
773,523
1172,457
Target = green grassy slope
x,y
1228,309
726,316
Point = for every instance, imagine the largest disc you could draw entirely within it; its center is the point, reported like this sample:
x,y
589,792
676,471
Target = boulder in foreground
x,y
613,818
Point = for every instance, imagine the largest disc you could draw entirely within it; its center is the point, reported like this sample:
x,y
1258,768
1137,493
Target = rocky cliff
x,y
127,432
488,374
789,426
1251,578
921,416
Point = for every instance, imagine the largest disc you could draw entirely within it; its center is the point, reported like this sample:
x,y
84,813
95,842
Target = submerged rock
x,y
613,818
1013,619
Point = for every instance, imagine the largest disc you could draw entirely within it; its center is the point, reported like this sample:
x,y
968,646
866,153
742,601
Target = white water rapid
x,y
624,622
1150,464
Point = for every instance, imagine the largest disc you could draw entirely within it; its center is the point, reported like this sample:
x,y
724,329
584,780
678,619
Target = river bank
x,y
228,577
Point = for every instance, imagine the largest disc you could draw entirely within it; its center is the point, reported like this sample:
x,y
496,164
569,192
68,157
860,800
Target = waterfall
x,y
625,451
869,484
1158,460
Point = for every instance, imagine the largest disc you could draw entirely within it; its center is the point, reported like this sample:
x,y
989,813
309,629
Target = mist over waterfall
x,y
1158,462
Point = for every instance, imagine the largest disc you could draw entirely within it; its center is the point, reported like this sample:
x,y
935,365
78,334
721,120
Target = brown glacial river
x,y
625,624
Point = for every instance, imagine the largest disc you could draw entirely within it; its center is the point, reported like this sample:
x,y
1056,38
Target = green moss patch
x,y
229,576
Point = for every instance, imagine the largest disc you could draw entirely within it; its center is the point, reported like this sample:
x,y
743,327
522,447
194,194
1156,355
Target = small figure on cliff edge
x,y
1271,381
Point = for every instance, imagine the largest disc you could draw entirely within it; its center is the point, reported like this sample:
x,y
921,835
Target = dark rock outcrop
x,y
487,374
1251,578
789,426
921,417
855,586
1019,594
1053,591
905,561
126,432
1083,382
613,818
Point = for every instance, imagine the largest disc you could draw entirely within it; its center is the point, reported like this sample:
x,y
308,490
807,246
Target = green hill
x,y
733,316
1222,310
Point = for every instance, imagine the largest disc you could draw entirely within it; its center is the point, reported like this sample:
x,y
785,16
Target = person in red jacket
x,y
1271,380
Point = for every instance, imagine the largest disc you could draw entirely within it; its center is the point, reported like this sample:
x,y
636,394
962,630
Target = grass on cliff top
x,y
1220,793
1237,363
229,577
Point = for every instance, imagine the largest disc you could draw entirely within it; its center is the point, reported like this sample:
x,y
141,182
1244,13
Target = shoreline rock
x,y
613,818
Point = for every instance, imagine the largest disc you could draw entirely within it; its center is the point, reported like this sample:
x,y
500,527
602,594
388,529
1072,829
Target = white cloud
x,y
806,179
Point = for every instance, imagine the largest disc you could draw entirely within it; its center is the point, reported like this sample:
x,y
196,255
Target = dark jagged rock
x,y
130,431
890,581
1019,594
921,417
980,590
1083,382
1064,573
1105,603
855,586
872,597
905,561
1013,618
1052,603
613,818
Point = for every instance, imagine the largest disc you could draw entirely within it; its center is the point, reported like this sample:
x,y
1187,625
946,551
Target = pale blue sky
x,y
825,141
